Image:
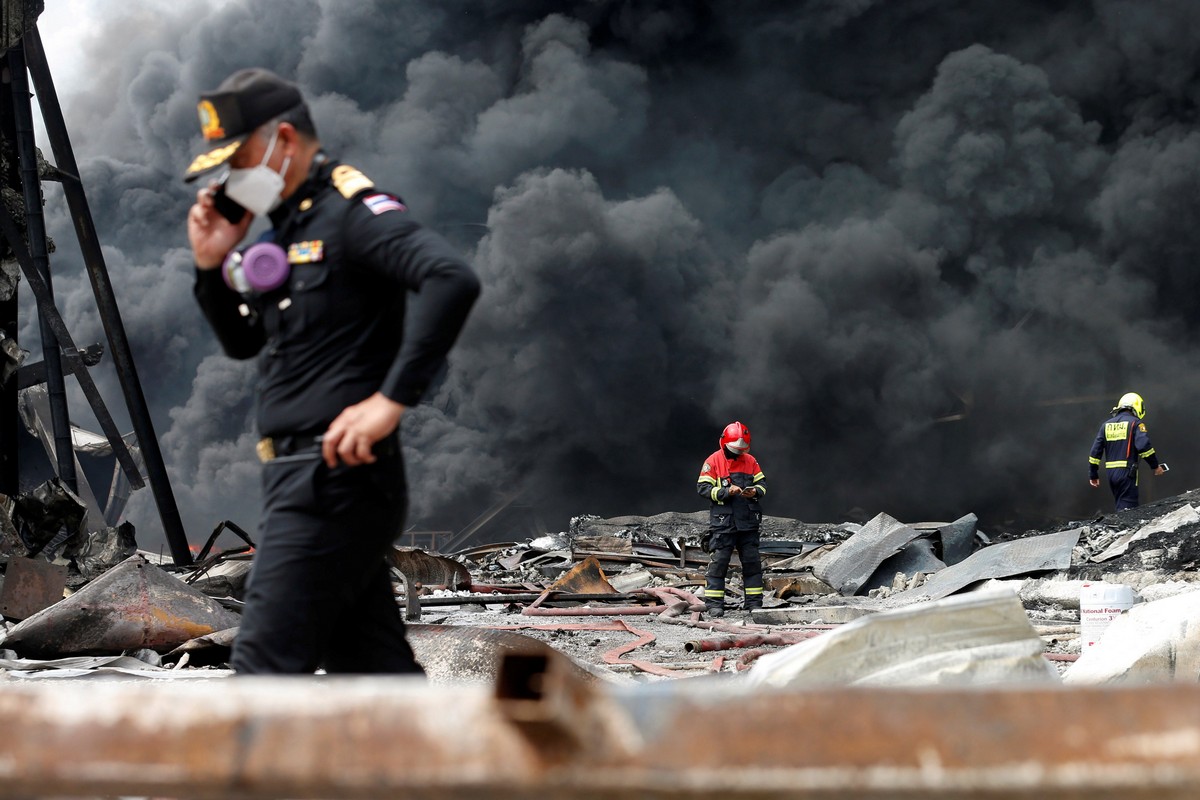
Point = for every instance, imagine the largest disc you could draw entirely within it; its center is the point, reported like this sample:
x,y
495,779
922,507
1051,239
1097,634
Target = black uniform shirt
x,y
334,333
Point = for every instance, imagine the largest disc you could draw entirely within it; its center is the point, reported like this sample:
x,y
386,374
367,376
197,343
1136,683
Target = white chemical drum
x,y
1099,605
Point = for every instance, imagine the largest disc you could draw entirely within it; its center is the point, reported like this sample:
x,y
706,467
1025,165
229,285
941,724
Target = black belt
x,y
272,447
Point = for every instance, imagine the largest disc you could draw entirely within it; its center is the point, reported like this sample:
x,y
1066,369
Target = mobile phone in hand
x,y
226,207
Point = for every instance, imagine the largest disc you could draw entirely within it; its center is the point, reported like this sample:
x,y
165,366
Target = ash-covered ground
x,y
631,551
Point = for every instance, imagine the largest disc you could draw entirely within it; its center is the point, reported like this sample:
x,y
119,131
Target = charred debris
x,y
618,596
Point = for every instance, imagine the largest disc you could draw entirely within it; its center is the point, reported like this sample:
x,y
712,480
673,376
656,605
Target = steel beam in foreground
x,y
543,734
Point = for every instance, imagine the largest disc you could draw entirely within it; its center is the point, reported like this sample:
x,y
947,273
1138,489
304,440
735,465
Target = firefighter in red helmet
x,y
733,482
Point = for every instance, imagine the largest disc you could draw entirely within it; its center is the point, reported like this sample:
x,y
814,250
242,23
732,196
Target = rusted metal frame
x,y
35,225
550,737
106,302
49,312
238,531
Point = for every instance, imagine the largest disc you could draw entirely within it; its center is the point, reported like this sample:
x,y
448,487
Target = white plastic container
x,y
1099,605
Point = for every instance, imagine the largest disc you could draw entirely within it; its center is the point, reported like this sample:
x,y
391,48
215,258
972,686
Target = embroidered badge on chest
x,y
306,252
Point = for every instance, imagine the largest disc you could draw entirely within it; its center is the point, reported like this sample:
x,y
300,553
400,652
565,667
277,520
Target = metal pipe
x,y
110,314
35,226
250,737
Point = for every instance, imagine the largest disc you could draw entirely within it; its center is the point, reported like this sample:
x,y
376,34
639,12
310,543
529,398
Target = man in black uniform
x,y
1122,441
320,299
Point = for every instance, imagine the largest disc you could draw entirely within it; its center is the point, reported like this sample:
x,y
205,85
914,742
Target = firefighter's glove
x,y
706,542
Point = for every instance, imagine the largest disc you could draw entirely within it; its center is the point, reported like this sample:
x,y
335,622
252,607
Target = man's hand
x,y
1160,469
211,235
749,492
357,428
734,491
1095,482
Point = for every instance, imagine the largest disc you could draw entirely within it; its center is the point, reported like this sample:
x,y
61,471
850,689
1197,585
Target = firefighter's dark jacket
x,y
334,334
732,512
1122,440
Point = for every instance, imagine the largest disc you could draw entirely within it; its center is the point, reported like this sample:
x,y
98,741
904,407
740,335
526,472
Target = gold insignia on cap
x,y
212,158
210,123
306,204
349,181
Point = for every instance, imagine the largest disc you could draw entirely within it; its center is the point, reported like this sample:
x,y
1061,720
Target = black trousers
x,y
320,593
1124,487
723,542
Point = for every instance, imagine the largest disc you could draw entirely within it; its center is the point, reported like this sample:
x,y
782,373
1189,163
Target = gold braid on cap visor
x,y
213,157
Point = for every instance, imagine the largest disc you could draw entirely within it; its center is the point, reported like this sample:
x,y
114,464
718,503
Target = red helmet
x,y
736,437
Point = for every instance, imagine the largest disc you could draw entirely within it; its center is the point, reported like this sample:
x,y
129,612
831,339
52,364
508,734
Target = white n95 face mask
x,y
258,188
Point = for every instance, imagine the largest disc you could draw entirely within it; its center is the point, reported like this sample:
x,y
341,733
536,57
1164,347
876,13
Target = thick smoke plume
x,y
919,248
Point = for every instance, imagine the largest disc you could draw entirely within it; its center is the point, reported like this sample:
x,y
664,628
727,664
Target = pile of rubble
x,y
987,608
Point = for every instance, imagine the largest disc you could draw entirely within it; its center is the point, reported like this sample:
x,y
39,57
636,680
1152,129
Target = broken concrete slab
x,y
850,564
1150,643
628,581
1018,557
976,639
1184,515
133,605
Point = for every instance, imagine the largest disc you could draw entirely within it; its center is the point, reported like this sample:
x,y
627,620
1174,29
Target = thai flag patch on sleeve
x,y
379,203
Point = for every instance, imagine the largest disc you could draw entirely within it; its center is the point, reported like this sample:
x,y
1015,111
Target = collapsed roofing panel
x,y
1032,554
848,566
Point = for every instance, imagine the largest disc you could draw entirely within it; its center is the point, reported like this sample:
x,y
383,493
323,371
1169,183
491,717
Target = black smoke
x,y
919,248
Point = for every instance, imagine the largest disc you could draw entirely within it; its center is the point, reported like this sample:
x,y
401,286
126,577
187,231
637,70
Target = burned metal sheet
x,y
430,570
72,666
916,556
958,539
454,654
48,509
586,577
31,584
10,540
102,550
133,605
207,650
223,578
848,566
1031,554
